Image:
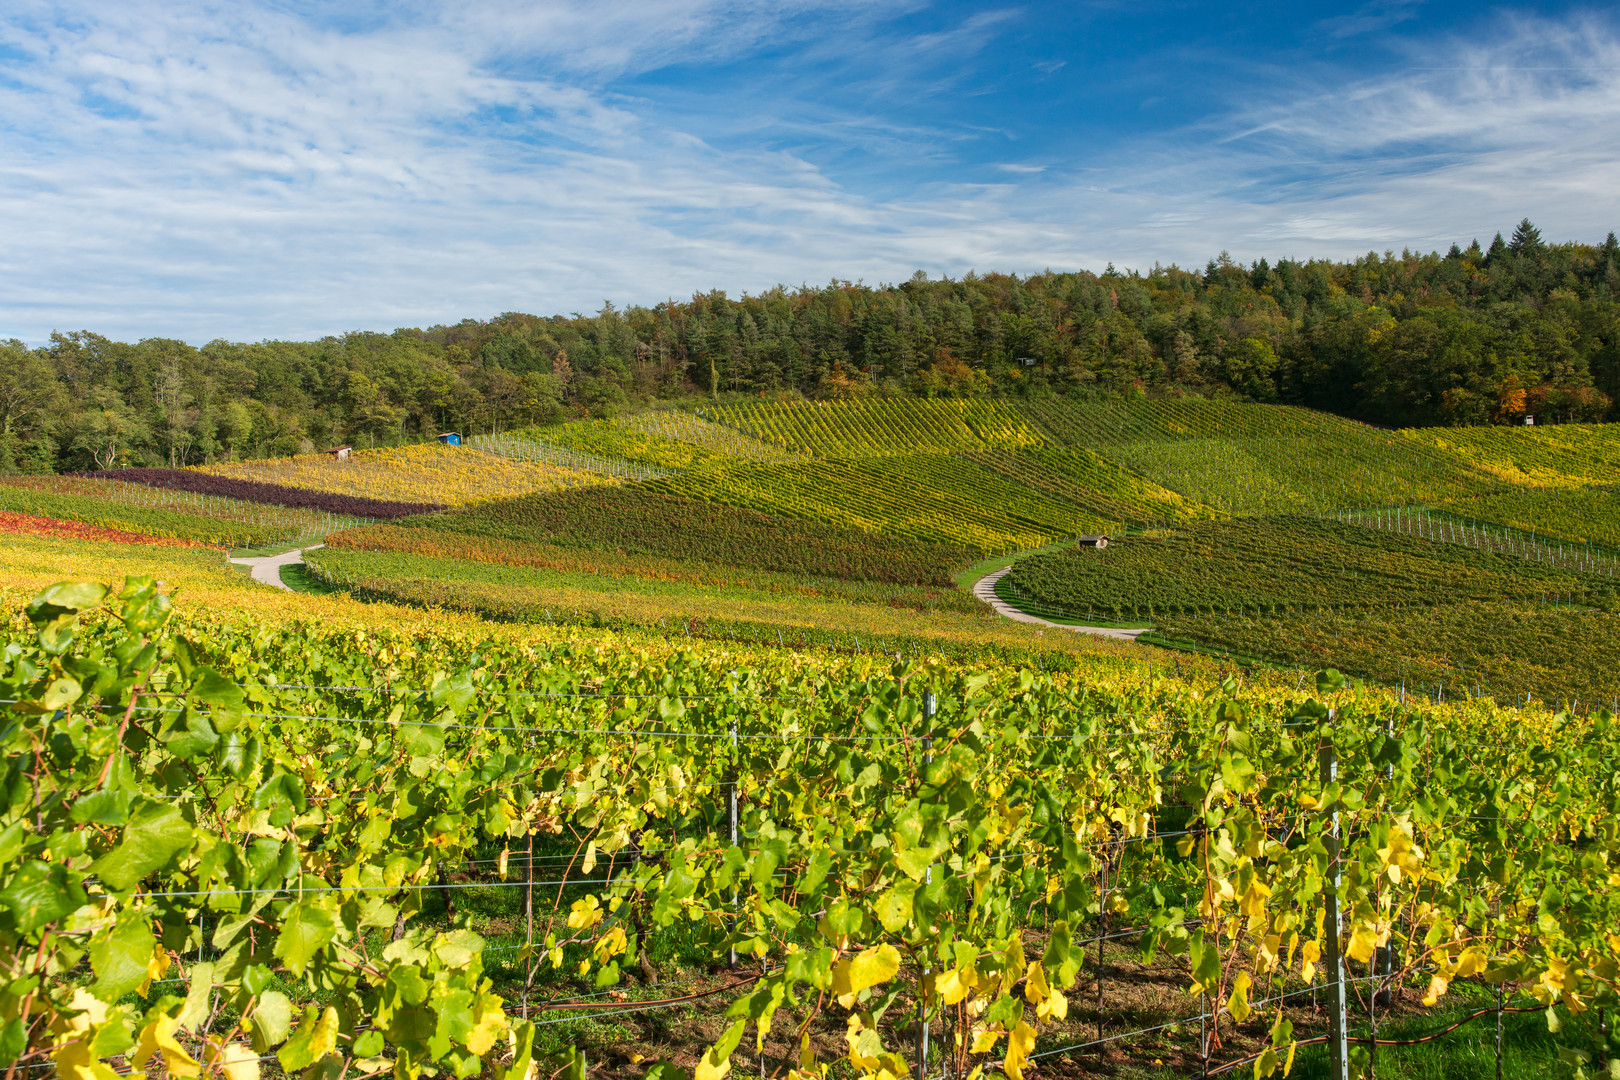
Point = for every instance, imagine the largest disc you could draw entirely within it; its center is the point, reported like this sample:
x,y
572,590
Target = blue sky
x,y
286,169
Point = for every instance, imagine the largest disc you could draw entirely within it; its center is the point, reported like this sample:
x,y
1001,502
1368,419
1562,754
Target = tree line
x,y
1473,336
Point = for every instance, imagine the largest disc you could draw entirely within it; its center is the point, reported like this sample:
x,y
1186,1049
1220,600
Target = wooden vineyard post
x,y
528,913
1499,1007
731,799
929,706
1102,934
1338,1045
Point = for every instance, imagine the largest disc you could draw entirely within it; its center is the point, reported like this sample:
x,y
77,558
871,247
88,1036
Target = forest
x,y
1477,335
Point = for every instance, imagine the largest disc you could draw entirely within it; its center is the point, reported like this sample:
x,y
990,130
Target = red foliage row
x,y
253,491
54,528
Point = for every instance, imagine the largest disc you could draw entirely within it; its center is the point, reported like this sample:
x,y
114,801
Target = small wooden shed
x,y
341,452
1096,540
450,438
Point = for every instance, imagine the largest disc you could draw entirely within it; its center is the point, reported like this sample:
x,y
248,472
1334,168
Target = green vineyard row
x,y
925,834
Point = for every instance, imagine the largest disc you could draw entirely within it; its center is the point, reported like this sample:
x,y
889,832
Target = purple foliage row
x,y
253,491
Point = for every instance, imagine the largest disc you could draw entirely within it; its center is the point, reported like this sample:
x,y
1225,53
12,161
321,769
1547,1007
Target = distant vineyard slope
x,y
1563,455
877,428
927,497
427,473
1265,566
254,491
632,520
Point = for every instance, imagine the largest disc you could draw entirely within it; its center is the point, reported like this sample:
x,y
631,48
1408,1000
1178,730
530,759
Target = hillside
x,y
847,522
613,745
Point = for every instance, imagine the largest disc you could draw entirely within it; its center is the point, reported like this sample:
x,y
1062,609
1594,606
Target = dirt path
x,y
985,589
267,569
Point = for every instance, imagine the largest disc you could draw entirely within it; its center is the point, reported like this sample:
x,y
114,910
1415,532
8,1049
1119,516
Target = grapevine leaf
x,y
155,833
65,598
306,929
120,957
272,1020
40,893
865,969
236,1061
212,688
107,807
61,693
13,1039
157,1038
314,1039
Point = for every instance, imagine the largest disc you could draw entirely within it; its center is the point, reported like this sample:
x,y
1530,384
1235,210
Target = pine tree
x,y
1498,250
1455,252
1526,242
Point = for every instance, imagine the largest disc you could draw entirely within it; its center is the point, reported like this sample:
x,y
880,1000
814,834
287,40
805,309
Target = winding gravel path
x,y
266,569
985,589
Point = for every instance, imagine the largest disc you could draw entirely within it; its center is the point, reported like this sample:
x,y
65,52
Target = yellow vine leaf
x,y
158,1038
1238,1003
609,945
1309,954
583,914
489,1026
954,985
1020,1041
1253,903
156,968
865,969
75,1061
707,1069
1035,988
1363,941
237,1061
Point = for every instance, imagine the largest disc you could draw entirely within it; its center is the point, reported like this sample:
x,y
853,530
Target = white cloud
x,y
250,172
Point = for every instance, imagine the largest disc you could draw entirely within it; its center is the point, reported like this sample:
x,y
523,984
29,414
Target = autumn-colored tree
x,y
1510,400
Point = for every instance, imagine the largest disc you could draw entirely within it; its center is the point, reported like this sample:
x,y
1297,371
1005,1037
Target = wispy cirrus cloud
x,y
261,170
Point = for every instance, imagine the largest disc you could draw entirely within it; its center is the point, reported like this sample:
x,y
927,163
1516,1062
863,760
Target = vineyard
x,y
592,565
521,446
270,845
721,441
1561,655
645,522
1567,455
923,497
1272,476
842,429
1092,483
1143,420
1284,565
426,473
1589,515
195,482
608,439
857,618
135,508
43,527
